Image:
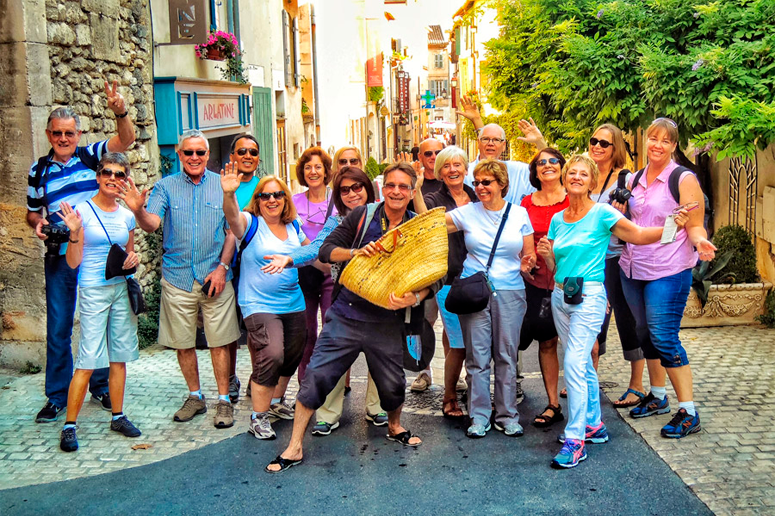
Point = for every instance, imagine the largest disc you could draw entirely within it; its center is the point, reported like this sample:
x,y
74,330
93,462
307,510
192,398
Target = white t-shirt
x,y
260,292
96,245
480,227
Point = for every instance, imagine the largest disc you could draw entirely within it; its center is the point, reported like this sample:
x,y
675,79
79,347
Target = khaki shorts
x,y
179,310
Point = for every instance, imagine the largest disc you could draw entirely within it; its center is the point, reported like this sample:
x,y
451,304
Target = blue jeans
x,y
578,326
61,290
658,306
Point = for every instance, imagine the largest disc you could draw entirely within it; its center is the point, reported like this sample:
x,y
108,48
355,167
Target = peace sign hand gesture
x,y
115,99
230,178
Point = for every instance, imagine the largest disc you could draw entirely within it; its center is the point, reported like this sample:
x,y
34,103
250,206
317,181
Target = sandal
x,y
283,463
454,412
403,438
542,420
564,393
621,403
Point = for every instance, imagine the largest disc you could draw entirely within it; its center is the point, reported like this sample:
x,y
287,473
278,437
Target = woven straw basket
x,y
418,259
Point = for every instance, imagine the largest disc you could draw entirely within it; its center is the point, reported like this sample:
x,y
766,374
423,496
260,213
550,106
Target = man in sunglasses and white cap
x,y
198,248
66,174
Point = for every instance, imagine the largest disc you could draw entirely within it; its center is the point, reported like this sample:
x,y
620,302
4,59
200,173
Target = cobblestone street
x,y
730,464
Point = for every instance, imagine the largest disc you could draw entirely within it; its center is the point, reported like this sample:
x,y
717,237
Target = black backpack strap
x,y
498,235
636,179
675,179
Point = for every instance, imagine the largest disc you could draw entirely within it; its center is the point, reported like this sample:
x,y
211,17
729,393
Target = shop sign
x,y
217,111
188,21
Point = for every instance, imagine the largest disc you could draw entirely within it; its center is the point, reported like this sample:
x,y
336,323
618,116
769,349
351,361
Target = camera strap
x,y
605,185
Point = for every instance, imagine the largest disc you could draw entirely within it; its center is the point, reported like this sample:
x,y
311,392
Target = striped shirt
x,y
72,182
194,229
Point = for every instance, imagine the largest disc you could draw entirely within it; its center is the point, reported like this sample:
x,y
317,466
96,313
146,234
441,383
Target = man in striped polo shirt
x,y
67,174
198,248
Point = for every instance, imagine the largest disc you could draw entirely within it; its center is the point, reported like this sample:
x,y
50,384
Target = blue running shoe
x,y
570,455
682,425
650,406
596,435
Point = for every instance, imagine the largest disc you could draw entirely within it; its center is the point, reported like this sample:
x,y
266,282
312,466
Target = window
x,y
438,61
292,56
439,88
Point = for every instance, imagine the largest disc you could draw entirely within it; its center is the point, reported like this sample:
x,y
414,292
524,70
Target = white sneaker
x,y
282,410
261,428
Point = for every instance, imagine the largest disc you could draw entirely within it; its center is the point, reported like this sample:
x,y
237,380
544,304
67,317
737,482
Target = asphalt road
x,y
356,470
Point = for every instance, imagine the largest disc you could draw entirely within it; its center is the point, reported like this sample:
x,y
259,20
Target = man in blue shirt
x,y
198,247
67,174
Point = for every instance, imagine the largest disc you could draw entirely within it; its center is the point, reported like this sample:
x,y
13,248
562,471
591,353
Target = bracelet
x,y
125,113
352,253
74,241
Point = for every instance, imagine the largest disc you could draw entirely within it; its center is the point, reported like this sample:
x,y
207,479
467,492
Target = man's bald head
x,y
432,146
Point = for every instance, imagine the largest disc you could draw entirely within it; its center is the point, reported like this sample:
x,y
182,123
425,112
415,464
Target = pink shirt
x,y
649,206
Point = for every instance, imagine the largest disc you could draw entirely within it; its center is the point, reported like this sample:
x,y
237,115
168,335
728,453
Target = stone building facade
x,y
55,53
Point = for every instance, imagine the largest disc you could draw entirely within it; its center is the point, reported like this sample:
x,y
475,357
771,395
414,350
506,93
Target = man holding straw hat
x,y
356,325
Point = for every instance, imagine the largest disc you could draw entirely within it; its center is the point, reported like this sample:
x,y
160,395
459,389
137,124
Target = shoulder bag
x,y
472,294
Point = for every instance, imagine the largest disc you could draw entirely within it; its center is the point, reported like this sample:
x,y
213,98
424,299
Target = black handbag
x,y
472,294
116,258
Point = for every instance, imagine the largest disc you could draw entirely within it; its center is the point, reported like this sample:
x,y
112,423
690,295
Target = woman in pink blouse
x,y
656,278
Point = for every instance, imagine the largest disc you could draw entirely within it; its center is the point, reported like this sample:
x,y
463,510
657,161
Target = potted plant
x,y
728,290
223,46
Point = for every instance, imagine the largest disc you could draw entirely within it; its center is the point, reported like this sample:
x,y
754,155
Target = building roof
x,y
435,36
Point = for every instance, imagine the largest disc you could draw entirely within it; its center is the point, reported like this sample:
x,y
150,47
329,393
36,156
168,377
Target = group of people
x,y
561,243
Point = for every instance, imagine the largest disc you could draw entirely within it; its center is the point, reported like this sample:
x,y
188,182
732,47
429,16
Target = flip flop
x,y
403,438
455,408
283,463
623,397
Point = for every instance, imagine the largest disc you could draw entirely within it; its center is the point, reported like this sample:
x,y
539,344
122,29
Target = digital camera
x,y
56,236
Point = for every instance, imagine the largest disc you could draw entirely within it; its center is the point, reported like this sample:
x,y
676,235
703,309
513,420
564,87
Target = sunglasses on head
x,y
118,174
604,144
430,153
243,151
267,195
352,161
542,162
58,134
484,182
191,153
355,187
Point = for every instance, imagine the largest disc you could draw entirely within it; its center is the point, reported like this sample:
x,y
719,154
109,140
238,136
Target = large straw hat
x,y
415,256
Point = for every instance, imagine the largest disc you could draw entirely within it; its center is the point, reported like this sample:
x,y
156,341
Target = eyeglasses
x,y
392,186
485,139
542,162
352,161
430,153
118,174
191,153
58,134
240,152
310,168
484,182
604,144
355,187
267,195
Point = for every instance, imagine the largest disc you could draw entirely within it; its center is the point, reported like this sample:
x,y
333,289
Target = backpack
x,y
672,184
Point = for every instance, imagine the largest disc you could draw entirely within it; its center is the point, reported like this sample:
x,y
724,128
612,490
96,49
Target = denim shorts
x,y
108,327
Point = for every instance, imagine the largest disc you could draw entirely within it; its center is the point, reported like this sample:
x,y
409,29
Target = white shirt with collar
x,y
519,180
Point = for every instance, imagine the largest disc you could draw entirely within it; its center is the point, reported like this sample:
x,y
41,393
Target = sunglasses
x,y
484,182
430,153
267,195
604,144
191,153
542,162
352,161
118,174
355,187
243,151
58,134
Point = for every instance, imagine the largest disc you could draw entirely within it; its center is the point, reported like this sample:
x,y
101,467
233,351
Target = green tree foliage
x,y
574,64
372,168
741,268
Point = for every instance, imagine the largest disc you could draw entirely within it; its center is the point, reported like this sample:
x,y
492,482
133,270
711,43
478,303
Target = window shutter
x,y
286,48
296,54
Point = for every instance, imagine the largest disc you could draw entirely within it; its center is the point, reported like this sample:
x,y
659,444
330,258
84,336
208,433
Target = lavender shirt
x,y
649,206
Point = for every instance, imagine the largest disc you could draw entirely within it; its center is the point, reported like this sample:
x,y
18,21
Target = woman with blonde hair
x,y
272,304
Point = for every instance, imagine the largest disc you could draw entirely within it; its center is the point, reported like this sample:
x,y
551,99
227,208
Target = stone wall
x,y
56,53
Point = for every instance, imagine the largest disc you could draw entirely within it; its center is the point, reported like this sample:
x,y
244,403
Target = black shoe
x,y
48,413
103,401
123,426
68,442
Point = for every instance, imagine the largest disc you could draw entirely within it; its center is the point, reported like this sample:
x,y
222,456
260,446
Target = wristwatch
x,y
125,113
417,303
224,266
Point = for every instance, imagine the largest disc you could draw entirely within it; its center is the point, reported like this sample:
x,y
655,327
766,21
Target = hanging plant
x,y
223,46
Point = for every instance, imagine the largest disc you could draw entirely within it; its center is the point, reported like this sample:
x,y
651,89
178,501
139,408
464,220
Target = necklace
x,y
497,220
